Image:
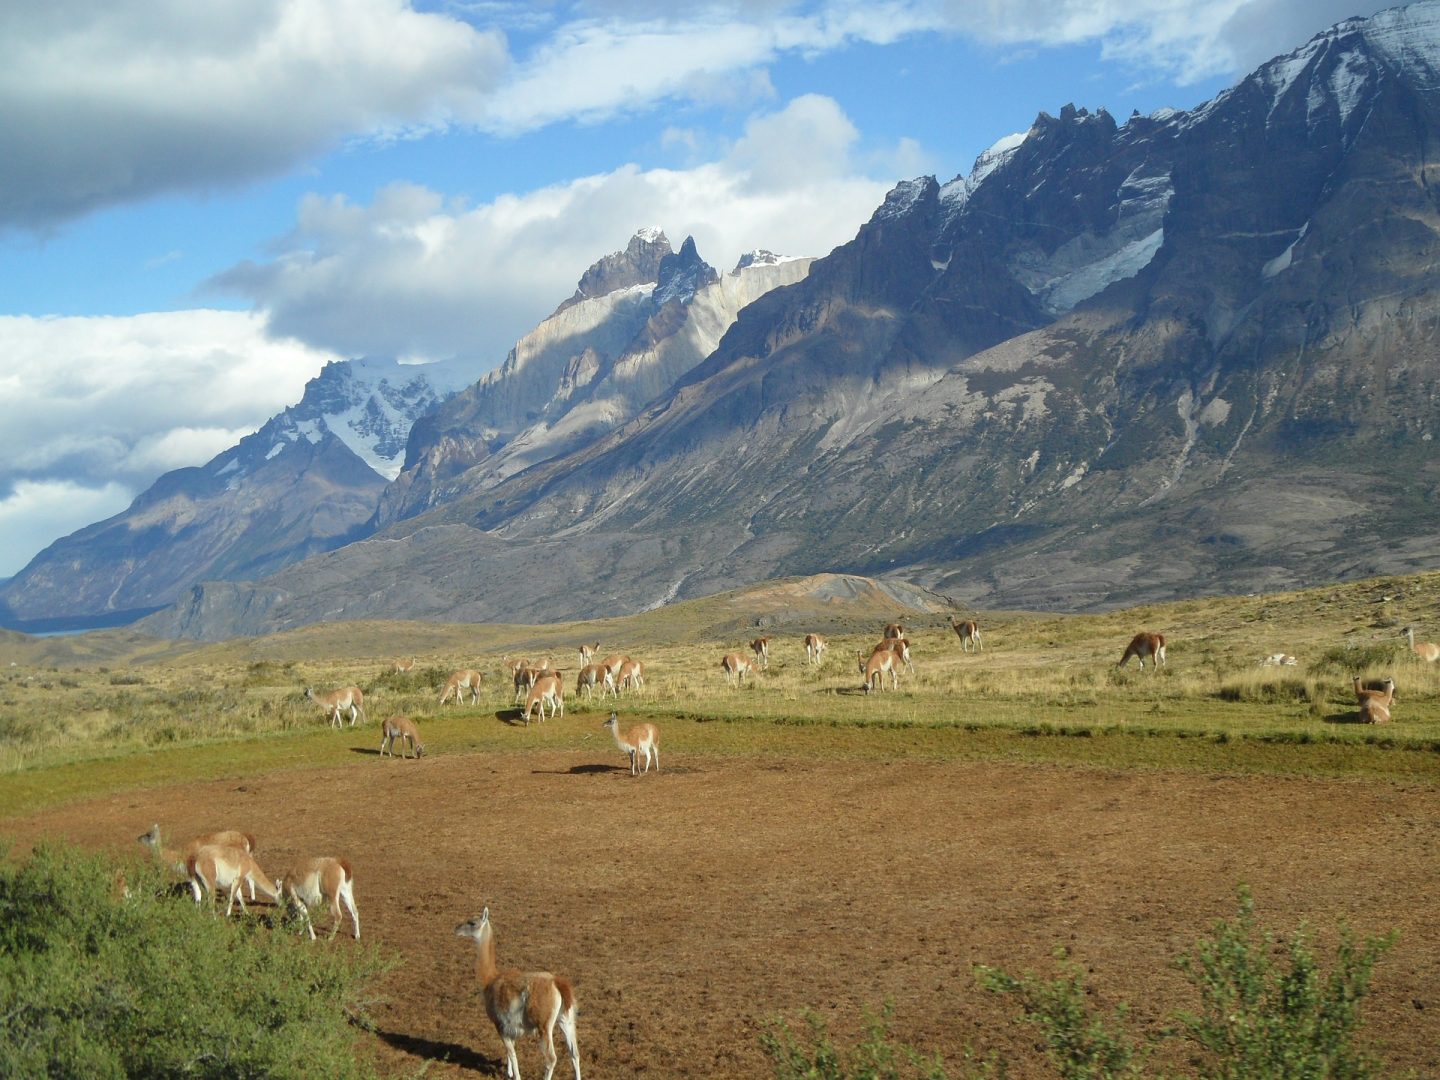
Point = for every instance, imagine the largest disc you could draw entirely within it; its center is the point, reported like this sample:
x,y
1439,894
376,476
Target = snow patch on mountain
x,y
1409,37
1088,264
1282,261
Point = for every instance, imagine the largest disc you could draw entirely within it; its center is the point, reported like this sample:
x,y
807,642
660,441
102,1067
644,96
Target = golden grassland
x,y
82,716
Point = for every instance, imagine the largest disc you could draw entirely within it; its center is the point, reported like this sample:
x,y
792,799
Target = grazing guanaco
x,y
404,729
404,667
176,858
1279,659
632,675
459,682
326,880
882,660
587,653
215,866
761,648
736,667
640,739
525,677
1426,650
1143,645
592,675
521,1003
347,698
546,691
968,632
612,663
815,646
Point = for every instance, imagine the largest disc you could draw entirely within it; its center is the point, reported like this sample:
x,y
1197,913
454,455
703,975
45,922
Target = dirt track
x,y
692,907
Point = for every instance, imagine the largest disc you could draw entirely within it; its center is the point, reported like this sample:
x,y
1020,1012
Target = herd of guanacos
x,y
521,1003
540,687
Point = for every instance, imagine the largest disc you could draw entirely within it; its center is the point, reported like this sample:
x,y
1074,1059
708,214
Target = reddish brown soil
x,y
692,907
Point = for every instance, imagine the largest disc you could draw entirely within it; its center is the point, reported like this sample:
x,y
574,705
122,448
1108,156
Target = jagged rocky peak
x,y
638,264
905,196
683,274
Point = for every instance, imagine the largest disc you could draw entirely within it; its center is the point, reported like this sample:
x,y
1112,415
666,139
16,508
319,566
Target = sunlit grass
x,y
1046,689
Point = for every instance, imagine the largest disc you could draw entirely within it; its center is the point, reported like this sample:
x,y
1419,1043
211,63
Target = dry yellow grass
x,y
64,700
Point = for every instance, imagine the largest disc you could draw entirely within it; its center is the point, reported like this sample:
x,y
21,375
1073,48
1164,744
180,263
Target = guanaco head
x,y
611,723
475,928
150,838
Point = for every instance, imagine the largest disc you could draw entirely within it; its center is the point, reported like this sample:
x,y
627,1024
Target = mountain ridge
x,y
1113,361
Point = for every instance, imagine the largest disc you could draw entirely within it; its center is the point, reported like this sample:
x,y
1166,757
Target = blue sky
x,y
202,204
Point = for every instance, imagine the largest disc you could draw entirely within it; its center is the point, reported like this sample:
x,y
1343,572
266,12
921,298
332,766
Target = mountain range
x,y
1190,352
327,471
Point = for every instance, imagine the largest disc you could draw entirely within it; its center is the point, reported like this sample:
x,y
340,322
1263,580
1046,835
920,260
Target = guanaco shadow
x,y
1351,716
370,750
512,717
435,1050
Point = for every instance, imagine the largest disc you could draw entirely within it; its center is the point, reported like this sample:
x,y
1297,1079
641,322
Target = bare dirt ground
x,y
693,907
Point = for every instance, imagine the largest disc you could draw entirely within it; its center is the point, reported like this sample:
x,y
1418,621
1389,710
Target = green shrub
x,y
1081,1044
1353,658
1259,1017
1267,689
418,680
876,1058
1295,1023
93,984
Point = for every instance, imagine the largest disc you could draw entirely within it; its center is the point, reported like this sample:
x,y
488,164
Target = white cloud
x,y
109,101
639,57
34,514
1188,40
106,101
101,406
411,275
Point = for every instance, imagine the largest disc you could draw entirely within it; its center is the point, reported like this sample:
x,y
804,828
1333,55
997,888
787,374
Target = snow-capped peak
x,y
957,192
761,257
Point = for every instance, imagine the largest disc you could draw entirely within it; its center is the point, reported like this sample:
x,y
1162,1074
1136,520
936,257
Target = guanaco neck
x,y
485,969
619,739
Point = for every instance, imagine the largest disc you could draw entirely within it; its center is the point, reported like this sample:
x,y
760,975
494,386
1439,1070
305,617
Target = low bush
x,y
877,1057
99,982
1267,1010
1269,689
1353,658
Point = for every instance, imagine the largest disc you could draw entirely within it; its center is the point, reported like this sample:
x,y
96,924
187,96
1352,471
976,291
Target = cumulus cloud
x,y
412,275
97,408
110,101
107,101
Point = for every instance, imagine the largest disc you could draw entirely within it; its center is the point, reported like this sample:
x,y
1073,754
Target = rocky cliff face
x,y
584,371
1192,352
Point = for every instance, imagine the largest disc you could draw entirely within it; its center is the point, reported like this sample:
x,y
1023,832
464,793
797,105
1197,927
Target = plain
x,y
807,845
